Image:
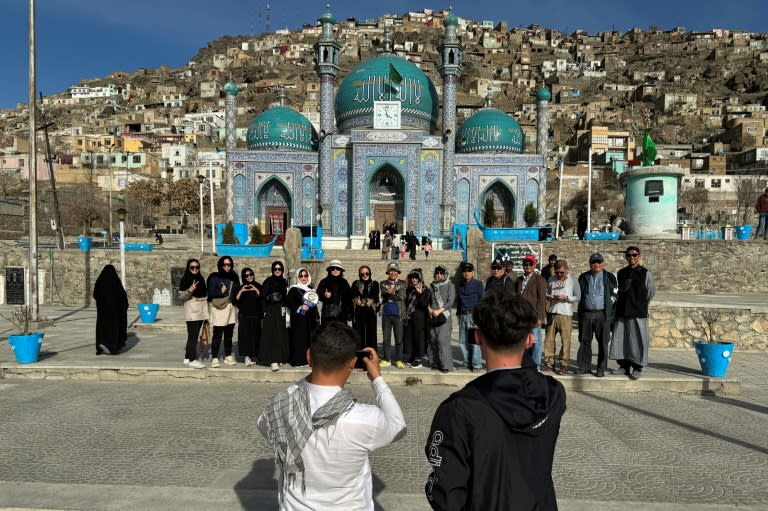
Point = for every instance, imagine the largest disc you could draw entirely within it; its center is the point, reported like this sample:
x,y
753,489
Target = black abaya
x,y
302,326
111,312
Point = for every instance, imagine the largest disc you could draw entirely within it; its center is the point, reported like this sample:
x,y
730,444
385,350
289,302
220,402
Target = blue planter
x,y
84,242
714,357
148,312
26,347
743,232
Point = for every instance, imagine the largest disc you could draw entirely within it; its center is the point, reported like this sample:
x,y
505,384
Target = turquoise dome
x,y
543,94
230,88
327,17
451,20
282,128
370,80
490,130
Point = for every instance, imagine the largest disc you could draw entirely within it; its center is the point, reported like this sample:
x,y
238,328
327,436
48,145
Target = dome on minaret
x,y
375,80
490,130
327,17
543,94
282,128
451,20
230,88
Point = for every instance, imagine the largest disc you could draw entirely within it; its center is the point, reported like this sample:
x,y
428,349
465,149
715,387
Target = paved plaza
x,y
128,442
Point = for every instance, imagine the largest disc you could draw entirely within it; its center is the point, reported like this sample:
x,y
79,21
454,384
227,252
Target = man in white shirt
x,y
321,435
562,292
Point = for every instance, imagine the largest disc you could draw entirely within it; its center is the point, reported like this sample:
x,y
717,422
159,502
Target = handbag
x,y
275,297
205,334
438,320
220,302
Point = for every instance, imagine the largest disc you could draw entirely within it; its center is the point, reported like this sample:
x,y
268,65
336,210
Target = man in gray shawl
x,y
630,334
321,435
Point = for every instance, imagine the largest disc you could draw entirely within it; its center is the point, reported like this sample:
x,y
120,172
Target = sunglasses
x,y
560,273
277,269
335,269
194,267
304,276
249,274
634,254
226,264
364,274
497,267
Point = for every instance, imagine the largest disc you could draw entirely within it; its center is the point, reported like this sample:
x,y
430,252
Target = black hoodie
x,y
492,443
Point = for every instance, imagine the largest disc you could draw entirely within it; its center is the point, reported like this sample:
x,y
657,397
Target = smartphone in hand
x,y
361,356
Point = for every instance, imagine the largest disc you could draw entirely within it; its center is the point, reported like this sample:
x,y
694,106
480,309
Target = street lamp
x,y
213,222
121,215
201,180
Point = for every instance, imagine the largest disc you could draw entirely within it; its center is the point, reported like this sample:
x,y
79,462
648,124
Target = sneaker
x,y
384,363
229,360
275,366
186,361
620,371
196,364
399,364
214,362
635,375
415,364
249,362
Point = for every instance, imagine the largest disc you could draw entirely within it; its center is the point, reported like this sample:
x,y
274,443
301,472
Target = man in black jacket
x,y
499,283
492,443
599,289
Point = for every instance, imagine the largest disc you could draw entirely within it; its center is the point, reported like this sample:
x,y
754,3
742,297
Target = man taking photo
x,y
492,443
320,433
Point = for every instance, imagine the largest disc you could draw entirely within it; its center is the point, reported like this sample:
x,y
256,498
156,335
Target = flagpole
x,y
589,193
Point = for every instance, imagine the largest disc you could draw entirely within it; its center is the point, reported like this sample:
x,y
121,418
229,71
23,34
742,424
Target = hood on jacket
x,y
528,402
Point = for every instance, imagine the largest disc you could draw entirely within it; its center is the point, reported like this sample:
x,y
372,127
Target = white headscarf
x,y
304,287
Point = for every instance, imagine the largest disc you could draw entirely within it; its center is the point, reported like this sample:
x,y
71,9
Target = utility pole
x,y
49,159
33,296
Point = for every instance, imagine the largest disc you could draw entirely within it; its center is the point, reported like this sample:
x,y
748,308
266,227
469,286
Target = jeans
x,y
473,350
388,324
762,226
538,348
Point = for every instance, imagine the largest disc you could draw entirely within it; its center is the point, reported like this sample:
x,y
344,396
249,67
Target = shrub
x,y
228,234
257,238
530,214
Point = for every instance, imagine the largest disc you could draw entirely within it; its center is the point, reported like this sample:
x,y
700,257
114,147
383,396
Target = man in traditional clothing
x,y
630,333
321,435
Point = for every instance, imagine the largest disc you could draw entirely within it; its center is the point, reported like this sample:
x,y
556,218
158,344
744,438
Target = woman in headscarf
x,y
333,291
443,296
365,300
250,310
274,349
193,292
111,312
302,305
221,287
415,318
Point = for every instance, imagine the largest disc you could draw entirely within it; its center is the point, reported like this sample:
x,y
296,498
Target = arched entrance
x,y
274,206
503,204
385,194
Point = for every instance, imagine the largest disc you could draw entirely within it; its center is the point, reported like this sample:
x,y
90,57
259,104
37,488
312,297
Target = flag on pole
x,y
649,150
395,79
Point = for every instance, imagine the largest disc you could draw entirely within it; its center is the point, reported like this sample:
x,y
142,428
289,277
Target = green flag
x,y
394,77
649,150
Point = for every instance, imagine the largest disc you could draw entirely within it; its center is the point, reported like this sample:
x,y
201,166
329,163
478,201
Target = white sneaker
x,y
275,366
214,362
229,360
196,364
249,362
186,361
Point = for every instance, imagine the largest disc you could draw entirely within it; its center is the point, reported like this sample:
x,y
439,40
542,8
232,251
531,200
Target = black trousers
x,y
593,323
193,334
227,332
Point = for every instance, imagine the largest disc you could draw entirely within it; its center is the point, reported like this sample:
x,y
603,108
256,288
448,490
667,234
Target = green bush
x,y
257,238
489,213
228,234
530,214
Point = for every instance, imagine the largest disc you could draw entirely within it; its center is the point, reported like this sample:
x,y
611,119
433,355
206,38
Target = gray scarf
x,y
290,426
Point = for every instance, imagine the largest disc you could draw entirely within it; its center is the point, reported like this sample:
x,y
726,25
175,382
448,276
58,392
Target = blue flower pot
x,y
148,312
84,242
714,357
26,347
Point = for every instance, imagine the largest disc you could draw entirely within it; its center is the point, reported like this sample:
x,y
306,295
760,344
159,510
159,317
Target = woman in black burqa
x,y
273,349
250,310
304,317
111,312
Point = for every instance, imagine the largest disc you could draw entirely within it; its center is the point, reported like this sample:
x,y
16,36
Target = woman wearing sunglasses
x,y
250,310
193,292
365,301
221,286
302,306
274,349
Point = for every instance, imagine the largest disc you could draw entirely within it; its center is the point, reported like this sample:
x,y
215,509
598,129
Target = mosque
x,y
379,157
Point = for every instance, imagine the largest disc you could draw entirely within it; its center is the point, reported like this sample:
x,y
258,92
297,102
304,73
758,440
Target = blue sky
x,y
78,39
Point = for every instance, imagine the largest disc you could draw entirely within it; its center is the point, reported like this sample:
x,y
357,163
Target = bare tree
x,y
693,200
747,191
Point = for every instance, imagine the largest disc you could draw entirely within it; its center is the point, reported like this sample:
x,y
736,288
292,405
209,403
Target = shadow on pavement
x,y
740,404
676,369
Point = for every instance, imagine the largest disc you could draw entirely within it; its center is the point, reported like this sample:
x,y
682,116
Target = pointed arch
x,y
504,202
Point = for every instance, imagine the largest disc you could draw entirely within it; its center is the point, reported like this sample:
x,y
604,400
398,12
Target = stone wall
x,y
677,327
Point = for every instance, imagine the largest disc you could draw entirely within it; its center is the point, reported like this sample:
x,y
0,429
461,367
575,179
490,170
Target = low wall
x,y
677,327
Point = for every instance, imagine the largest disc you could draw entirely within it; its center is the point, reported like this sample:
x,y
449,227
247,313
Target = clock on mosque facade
x,y
386,115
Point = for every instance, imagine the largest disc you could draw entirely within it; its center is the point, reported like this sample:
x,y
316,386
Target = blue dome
x,y
451,20
372,80
282,128
230,88
543,94
327,17
490,130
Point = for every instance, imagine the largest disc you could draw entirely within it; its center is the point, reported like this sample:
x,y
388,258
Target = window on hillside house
x,y
715,183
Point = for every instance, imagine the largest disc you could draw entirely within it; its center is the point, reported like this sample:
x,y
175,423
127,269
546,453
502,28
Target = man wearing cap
x,y
499,283
335,294
533,287
762,210
599,289
392,301
469,292
630,333
562,293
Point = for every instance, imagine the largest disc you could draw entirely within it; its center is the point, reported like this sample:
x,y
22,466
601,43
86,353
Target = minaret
x,y
230,127
449,67
327,67
543,97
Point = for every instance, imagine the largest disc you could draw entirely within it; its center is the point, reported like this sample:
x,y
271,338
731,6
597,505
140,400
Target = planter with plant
x,y
25,344
714,356
147,310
